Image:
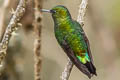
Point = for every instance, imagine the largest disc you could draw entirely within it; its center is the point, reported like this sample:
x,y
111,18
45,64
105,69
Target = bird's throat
x,y
62,22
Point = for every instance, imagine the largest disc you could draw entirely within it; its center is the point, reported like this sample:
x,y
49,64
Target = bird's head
x,y
58,12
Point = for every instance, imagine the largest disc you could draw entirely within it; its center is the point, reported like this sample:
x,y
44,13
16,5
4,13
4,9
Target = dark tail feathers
x,y
91,68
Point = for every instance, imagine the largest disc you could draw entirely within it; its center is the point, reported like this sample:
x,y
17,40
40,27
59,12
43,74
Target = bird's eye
x,y
52,11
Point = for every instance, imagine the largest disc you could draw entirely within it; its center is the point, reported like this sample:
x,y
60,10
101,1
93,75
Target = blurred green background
x,y
102,23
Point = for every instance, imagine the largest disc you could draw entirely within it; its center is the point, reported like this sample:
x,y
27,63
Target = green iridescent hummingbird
x,y
72,39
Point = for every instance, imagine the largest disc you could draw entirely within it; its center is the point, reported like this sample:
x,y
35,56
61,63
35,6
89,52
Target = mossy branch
x,y
80,19
3,14
13,24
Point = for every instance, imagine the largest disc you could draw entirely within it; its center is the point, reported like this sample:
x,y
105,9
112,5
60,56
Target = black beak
x,y
52,11
45,10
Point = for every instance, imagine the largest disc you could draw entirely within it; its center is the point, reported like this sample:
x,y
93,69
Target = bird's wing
x,y
74,59
80,29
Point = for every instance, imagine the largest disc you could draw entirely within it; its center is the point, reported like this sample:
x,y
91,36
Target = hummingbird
x,y
73,40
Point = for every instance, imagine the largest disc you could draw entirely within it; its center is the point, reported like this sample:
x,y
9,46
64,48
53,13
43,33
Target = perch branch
x,y
80,19
12,26
82,12
67,70
37,42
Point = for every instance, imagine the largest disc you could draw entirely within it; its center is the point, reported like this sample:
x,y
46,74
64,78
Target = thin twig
x,y
82,12
37,42
13,24
67,70
80,19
